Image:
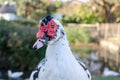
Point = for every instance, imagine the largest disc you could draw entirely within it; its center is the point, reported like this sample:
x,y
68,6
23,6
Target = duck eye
x,y
52,25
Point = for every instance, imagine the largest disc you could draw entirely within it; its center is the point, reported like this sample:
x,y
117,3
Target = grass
x,y
106,78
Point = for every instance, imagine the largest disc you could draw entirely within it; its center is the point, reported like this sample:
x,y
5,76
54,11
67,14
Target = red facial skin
x,y
50,28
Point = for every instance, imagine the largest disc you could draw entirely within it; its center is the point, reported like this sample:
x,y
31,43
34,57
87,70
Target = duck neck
x,y
60,47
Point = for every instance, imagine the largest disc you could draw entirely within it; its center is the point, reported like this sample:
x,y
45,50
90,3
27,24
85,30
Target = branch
x,y
101,3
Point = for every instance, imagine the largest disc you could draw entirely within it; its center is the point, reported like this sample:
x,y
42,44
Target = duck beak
x,y
38,44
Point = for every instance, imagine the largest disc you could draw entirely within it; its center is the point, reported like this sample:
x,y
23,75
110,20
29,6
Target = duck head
x,y
49,32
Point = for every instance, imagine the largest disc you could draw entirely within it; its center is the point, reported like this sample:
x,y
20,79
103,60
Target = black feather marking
x,y
46,19
84,67
36,74
40,66
62,31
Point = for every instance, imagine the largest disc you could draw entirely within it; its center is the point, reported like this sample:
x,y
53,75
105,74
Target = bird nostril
x,y
35,47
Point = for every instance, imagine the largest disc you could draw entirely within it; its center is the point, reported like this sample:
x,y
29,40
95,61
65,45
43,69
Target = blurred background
x,y
92,27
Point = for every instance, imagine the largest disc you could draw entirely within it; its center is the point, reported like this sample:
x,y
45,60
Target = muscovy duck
x,y
59,62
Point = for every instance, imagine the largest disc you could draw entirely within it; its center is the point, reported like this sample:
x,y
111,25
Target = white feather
x,y
108,72
15,74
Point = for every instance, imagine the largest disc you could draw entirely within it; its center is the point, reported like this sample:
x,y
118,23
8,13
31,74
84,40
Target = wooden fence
x,y
108,35
103,30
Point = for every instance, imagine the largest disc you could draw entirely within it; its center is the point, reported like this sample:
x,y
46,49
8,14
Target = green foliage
x,y
77,34
25,22
81,51
20,22
36,9
16,46
79,13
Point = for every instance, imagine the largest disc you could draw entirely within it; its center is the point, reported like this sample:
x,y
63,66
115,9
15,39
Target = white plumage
x,y
108,72
59,62
14,75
